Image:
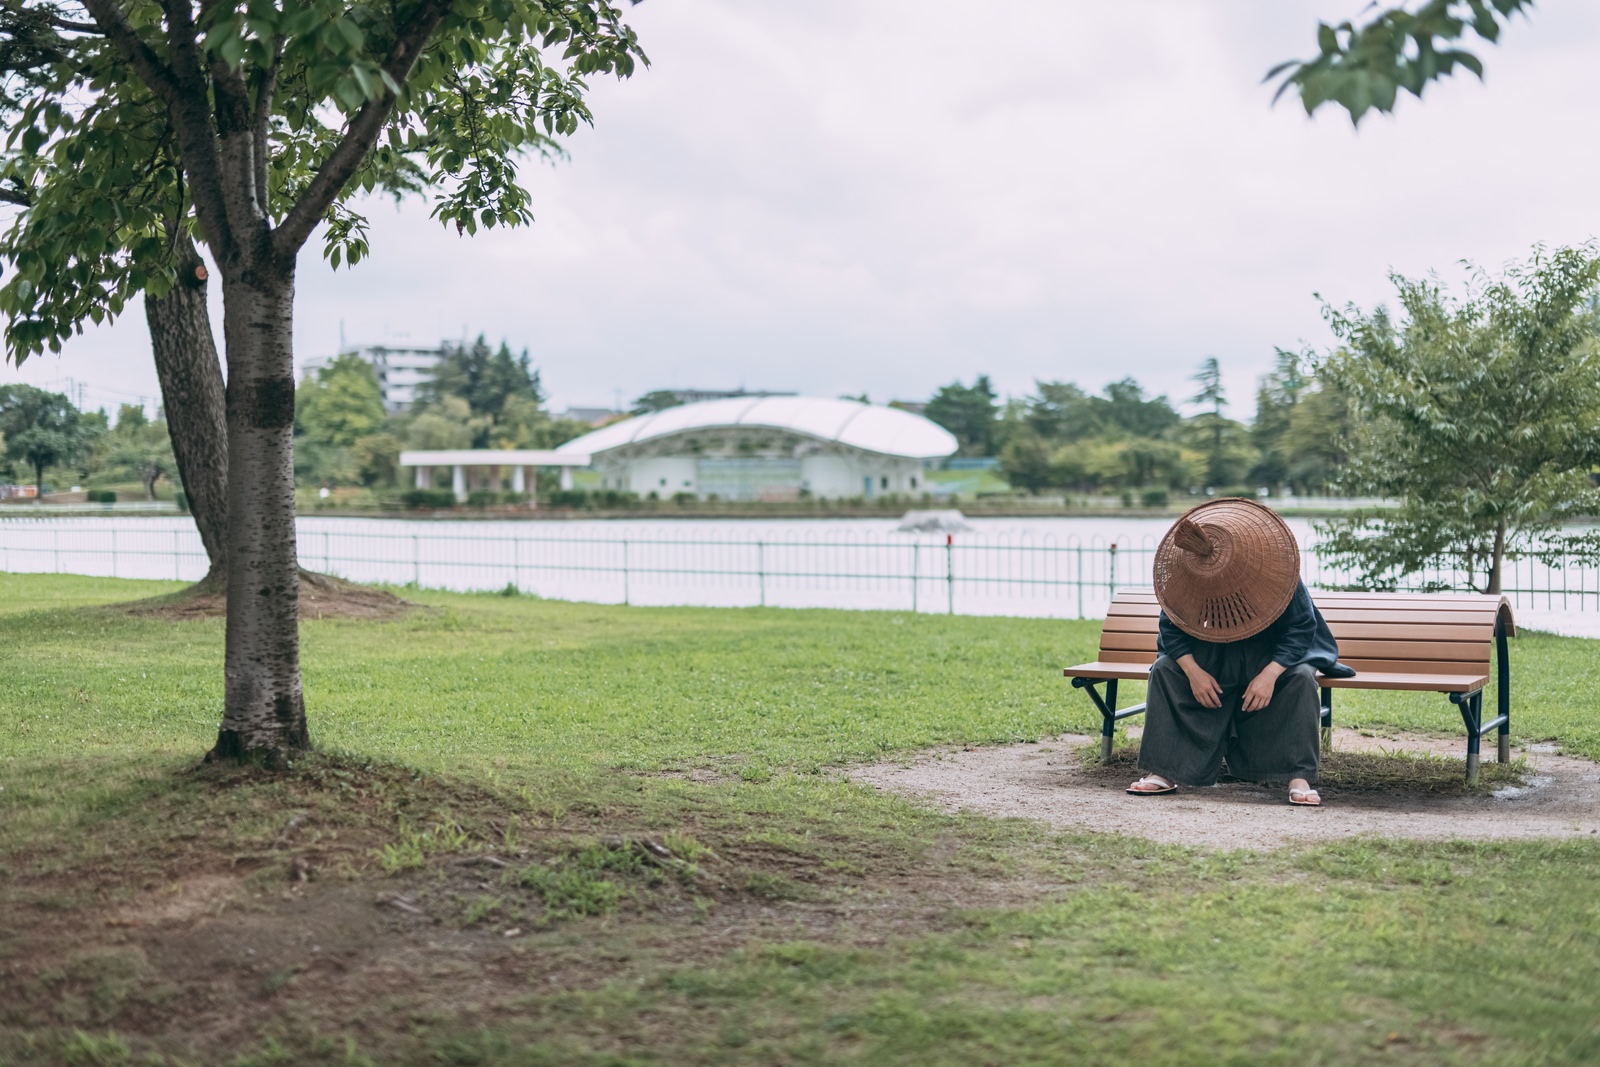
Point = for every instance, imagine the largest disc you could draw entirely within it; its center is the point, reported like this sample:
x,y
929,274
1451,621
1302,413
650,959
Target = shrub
x,y
181,499
428,498
102,496
482,498
1154,498
568,498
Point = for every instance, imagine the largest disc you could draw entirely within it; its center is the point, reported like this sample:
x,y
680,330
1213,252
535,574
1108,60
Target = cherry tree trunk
x,y
192,395
264,713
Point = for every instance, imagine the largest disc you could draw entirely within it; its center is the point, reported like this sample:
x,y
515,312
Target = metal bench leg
x,y
1472,715
1327,718
1108,723
1503,654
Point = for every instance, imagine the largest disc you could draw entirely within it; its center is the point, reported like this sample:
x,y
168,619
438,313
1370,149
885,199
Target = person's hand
x,y
1205,688
1258,694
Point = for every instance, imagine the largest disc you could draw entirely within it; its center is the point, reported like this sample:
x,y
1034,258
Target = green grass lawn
x,y
799,919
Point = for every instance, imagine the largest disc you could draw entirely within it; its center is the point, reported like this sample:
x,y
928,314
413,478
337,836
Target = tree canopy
x,y
126,115
969,412
1480,415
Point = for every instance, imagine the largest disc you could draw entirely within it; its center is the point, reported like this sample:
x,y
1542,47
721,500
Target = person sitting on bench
x,y
1240,644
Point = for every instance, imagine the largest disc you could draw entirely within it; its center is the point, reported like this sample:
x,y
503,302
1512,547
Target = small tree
x,y
41,429
137,447
968,411
1215,427
1479,416
264,120
486,379
655,400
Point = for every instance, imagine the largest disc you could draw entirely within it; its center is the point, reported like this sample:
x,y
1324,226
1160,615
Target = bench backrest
x,y
1379,633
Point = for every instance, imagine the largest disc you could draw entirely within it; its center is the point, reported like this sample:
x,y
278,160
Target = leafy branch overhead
x,y
330,99
1364,67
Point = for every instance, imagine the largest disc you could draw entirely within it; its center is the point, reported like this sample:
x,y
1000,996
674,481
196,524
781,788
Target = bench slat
x,y
1419,683
1401,680
1469,651
1362,665
1345,631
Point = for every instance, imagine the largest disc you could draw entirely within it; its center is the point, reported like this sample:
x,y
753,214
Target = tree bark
x,y
1499,559
264,713
192,395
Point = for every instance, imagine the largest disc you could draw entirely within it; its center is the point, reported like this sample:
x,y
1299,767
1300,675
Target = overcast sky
x,y
883,196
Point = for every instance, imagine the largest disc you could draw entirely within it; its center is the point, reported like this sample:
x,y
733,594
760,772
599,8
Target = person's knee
x,y
1303,677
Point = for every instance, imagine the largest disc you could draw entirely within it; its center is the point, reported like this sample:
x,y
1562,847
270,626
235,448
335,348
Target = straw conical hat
x,y
1227,570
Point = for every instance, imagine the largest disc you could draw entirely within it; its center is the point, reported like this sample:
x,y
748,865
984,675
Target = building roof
x,y
494,457
848,422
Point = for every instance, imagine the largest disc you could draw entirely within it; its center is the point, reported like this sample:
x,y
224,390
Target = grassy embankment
x,y
564,833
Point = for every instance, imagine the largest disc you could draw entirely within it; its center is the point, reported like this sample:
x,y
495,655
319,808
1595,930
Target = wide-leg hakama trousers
x,y
1186,742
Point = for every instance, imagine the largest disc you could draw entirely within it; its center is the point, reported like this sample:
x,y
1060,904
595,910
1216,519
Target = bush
x,y
181,499
514,498
482,498
428,498
613,499
568,498
1154,498
102,496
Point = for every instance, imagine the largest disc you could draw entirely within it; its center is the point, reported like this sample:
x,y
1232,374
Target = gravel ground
x,y
1048,781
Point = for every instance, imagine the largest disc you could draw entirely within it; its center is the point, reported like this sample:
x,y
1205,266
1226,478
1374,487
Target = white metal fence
x,y
979,573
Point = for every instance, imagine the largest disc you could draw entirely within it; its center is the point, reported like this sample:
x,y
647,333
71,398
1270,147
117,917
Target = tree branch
x,y
12,195
260,121
113,23
74,27
197,135
361,133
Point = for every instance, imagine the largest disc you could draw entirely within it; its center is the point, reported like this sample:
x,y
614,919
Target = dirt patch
x,y
322,596
1051,782
228,906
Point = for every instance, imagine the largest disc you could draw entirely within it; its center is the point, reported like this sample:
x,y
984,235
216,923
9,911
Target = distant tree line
x,y
478,397
1062,437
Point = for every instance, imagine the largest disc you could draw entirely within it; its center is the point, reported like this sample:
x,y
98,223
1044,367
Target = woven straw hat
x,y
1227,570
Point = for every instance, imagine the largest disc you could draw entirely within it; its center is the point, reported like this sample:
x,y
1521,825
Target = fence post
x,y
950,573
761,570
176,560
1111,572
327,563
916,571
625,592
55,540
416,562
113,551
1080,581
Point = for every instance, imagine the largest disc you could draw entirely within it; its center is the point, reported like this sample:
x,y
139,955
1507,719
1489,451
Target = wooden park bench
x,y
1417,642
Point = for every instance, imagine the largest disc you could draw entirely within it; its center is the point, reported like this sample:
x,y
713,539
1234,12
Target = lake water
x,y
1055,567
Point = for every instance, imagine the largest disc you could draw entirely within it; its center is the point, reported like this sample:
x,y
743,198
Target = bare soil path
x,y
1049,781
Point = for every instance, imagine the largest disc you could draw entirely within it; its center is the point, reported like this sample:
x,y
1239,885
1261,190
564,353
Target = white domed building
x,y
767,448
